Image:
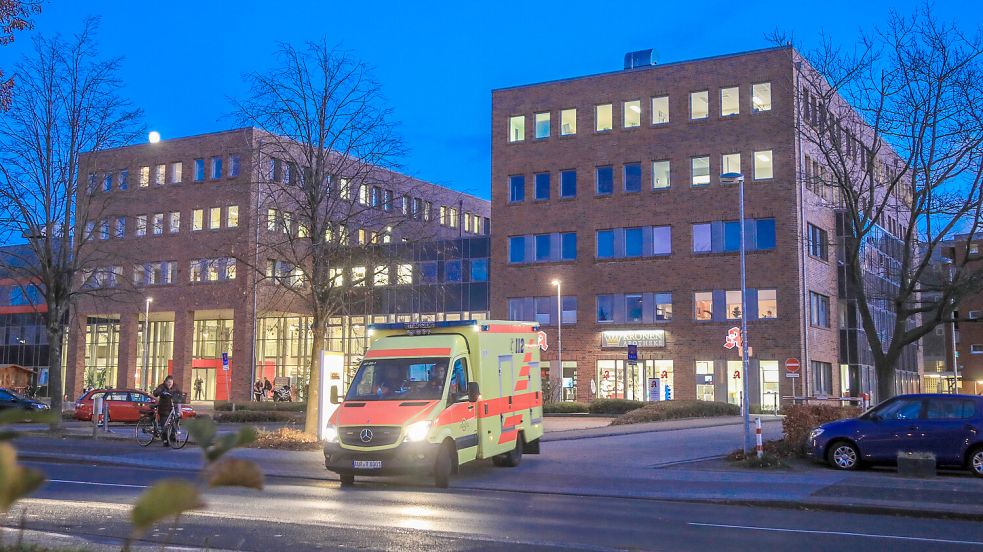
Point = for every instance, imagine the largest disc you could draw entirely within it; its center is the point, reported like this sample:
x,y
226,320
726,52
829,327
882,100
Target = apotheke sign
x,y
641,338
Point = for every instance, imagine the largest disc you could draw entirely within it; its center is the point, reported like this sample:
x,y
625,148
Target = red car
x,y
125,405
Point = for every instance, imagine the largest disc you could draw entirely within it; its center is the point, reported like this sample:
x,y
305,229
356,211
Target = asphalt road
x,y
297,514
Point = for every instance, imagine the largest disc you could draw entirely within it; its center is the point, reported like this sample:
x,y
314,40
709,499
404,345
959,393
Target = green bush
x,y
250,416
566,408
262,406
801,419
614,406
677,409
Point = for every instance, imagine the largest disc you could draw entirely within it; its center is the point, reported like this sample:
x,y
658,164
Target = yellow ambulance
x,y
429,397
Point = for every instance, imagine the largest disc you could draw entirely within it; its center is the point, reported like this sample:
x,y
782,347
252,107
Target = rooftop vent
x,y
641,58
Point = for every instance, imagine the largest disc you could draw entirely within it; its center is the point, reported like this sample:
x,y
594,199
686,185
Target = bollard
x,y
757,434
97,403
105,416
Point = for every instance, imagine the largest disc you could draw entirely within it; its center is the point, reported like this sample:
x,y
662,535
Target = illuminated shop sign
x,y
642,338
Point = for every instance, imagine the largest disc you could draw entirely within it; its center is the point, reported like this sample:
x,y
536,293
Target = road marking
x,y
838,533
97,484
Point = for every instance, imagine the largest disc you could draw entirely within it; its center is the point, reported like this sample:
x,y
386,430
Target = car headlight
x,y
331,433
815,433
418,431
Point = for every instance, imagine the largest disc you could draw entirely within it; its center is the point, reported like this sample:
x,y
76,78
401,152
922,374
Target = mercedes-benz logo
x,y
365,435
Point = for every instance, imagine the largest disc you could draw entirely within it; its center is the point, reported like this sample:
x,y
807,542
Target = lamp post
x,y
730,178
557,393
145,378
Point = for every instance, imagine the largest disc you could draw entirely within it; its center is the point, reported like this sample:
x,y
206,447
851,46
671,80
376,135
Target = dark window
x,y
633,242
517,249
766,234
568,183
428,273
605,308
818,310
517,188
479,270
543,186
633,307
818,243
823,376
543,247
452,271
950,409
605,181
633,177
605,244
732,236
568,246
900,409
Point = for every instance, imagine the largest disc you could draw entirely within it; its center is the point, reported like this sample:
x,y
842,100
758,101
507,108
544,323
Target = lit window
x,y
230,268
603,120
197,220
568,122
194,270
660,110
703,304
733,305
158,224
730,163
517,128
761,97
199,170
358,275
176,169
216,168
404,274
763,168
663,306
345,189
699,105
159,174
363,194
701,171
633,177
144,177
120,228
767,303
730,103
213,272
517,189
141,225
232,216
174,224
271,220
660,175
542,125
633,114
336,276
214,218
381,276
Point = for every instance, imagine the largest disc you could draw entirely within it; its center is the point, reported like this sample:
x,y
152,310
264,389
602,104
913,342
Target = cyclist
x,y
165,404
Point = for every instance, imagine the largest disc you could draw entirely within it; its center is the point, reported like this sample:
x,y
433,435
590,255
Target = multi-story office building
x,y
962,345
185,222
23,314
609,184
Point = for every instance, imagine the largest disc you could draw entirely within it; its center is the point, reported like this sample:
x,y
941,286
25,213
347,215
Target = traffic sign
x,y
225,361
792,366
632,352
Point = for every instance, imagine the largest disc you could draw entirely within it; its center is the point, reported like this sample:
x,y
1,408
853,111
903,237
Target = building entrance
x,y
617,379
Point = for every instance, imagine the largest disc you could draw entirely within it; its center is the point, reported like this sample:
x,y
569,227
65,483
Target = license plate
x,y
367,464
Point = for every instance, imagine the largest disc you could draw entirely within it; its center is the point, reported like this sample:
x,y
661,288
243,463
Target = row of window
x,y
157,174
632,177
158,224
454,271
157,273
542,309
644,241
632,112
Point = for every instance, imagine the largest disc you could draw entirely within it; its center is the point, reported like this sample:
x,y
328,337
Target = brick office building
x,y
179,221
965,336
609,184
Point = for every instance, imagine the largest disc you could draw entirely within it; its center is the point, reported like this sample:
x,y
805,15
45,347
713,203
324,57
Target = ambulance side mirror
x,y
473,391
334,395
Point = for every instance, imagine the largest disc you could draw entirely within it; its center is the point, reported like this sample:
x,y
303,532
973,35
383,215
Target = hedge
x,y
614,406
250,416
566,408
261,406
801,419
677,409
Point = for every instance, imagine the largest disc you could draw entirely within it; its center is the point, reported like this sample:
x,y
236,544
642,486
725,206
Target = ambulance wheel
x,y
513,457
443,467
347,480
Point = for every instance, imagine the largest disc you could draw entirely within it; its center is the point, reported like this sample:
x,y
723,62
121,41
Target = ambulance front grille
x,y
369,436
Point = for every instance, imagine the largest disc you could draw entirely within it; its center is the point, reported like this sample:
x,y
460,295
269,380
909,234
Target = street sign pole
x,y
228,386
744,339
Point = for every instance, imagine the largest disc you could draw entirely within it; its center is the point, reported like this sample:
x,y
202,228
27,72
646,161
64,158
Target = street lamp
x,y
146,344
556,392
730,178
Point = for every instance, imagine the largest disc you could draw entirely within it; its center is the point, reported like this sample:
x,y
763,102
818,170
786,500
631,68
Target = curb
x,y
583,433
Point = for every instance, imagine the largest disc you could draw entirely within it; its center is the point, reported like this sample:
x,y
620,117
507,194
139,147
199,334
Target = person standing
x,y
258,390
267,388
198,388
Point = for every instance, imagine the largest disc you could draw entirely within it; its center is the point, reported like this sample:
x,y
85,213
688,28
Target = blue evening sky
x,y
437,62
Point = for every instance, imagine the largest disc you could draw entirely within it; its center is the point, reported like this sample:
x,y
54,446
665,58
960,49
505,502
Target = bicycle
x,y
149,428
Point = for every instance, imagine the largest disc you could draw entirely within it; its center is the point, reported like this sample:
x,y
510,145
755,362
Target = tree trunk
x,y
314,381
56,387
886,379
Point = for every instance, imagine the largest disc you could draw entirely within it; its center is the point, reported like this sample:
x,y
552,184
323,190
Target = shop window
x,y
603,120
703,305
699,105
730,103
632,114
704,380
517,128
568,122
769,379
660,110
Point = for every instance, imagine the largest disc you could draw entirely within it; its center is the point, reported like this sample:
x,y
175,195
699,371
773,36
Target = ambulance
x,y
430,397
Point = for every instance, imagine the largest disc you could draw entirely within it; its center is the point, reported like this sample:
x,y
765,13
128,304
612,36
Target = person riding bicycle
x,y
165,404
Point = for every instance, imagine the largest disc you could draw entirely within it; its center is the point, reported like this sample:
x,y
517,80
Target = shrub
x,y
676,409
263,406
286,439
566,408
250,416
800,419
775,447
614,406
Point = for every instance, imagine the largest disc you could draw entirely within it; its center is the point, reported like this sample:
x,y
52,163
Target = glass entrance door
x,y
617,379
206,390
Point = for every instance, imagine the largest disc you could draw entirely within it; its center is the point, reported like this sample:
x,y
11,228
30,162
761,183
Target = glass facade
x,y
644,380
101,352
161,347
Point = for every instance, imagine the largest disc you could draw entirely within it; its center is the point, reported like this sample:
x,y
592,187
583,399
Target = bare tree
x,y
895,127
328,187
15,15
66,103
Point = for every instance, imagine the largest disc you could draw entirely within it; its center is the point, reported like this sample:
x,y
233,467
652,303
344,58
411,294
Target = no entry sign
x,y
792,365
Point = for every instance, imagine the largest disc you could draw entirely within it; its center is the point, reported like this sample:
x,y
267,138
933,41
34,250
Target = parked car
x,y
125,405
10,399
948,426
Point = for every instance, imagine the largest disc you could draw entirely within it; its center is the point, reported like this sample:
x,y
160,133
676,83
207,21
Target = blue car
x,y
948,426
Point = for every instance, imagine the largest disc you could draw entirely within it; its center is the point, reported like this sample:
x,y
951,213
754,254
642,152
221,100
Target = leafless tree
x,y
65,104
328,156
895,127
15,16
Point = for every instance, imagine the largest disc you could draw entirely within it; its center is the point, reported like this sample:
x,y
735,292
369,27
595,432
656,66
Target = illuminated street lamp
x,y
153,137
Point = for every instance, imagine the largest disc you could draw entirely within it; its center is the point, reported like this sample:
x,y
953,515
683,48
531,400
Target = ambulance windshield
x,y
397,379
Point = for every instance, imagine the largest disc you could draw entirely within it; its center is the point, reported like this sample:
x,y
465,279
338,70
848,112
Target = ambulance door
x,y
461,412
492,406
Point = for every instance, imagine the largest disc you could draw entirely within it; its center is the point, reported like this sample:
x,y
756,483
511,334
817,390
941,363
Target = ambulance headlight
x,y
418,431
331,434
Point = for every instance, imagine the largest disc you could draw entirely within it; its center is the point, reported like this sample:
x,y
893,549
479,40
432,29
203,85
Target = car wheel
x,y
443,467
513,457
843,455
976,461
347,479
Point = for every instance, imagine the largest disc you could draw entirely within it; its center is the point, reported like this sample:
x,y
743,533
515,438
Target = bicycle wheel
x,y
177,436
145,431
